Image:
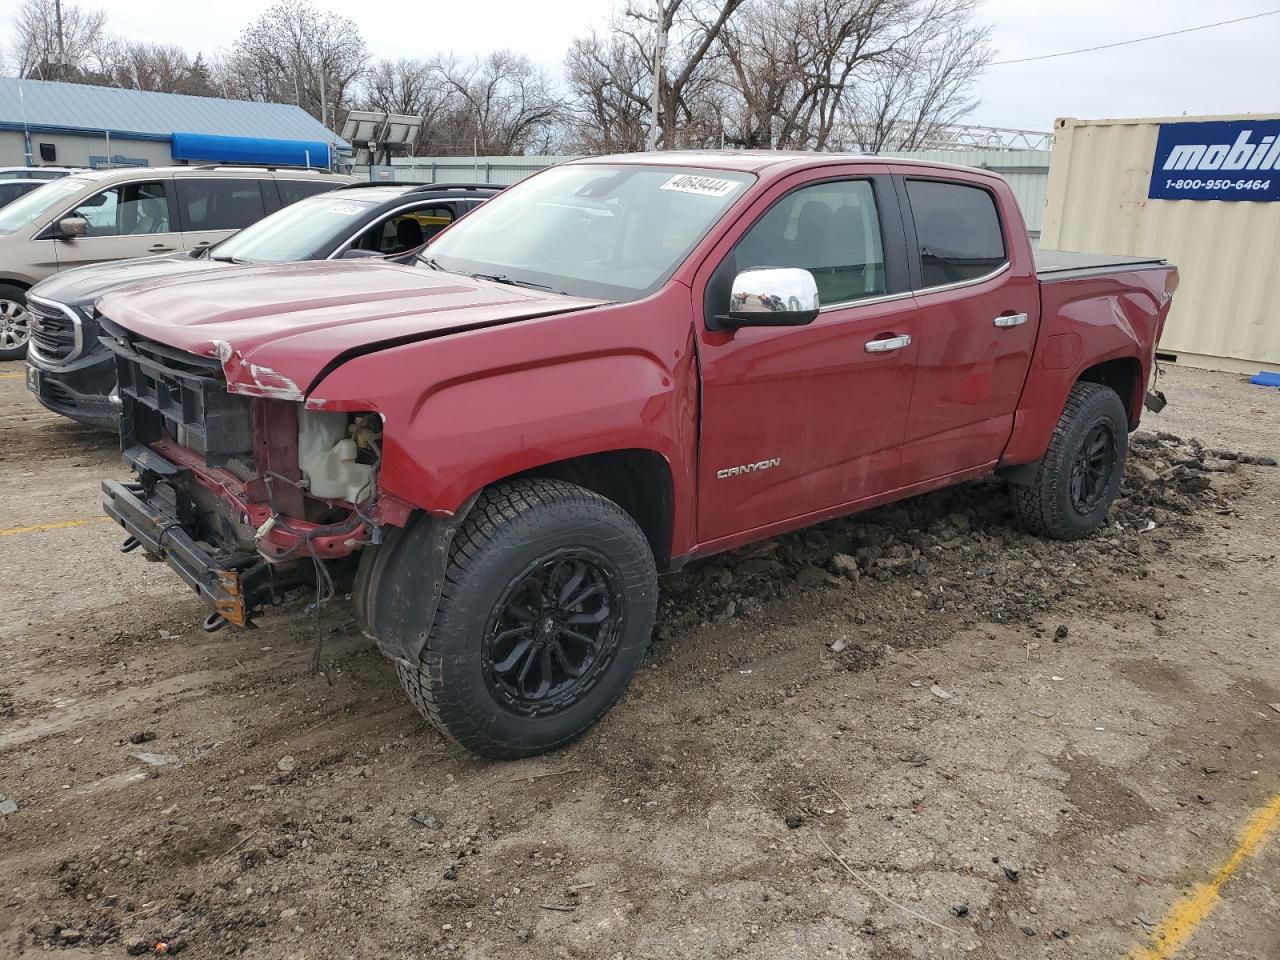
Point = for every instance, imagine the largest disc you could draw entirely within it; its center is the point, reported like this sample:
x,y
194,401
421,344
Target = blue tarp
x,y
253,150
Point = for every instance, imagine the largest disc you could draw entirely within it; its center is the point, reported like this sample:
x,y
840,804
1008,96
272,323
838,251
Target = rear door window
x,y
957,231
12,191
222,204
127,209
291,190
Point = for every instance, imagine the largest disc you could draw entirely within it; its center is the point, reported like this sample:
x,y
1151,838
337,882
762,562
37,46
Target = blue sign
x,y
1217,160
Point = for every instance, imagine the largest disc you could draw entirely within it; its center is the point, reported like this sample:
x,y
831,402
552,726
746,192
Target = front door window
x,y
128,209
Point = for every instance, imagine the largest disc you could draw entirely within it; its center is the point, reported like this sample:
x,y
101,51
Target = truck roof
x,y
765,162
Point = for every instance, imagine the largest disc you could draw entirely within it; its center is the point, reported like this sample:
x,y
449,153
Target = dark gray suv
x,y
72,374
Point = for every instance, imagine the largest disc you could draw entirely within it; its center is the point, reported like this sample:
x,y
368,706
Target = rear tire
x,y
15,322
1078,478
547,606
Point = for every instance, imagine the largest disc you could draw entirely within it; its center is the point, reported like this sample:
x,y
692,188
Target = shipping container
x,y
1203,192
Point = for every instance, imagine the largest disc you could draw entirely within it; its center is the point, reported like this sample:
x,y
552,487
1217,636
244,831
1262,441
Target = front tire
x,y
546,611
1078,479
15,322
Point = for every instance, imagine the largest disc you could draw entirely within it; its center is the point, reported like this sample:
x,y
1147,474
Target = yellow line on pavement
x,y
1185,916
59,525
12,376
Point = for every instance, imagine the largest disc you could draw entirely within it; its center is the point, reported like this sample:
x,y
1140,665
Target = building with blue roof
x,y
77,125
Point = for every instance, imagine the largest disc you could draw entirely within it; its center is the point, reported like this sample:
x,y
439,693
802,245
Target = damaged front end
x,y
251,499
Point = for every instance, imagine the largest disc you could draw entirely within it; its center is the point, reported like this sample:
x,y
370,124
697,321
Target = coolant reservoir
x,y
327,458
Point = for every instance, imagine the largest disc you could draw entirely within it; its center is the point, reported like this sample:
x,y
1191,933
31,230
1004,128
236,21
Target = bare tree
x,y
611,78
157,67
607,77
296,53
414,87
792,63
504,104
909,99
687,32
822,74
38,52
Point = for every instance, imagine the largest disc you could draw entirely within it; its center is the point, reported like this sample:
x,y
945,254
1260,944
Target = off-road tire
x,y
13,294
1046,506
511,525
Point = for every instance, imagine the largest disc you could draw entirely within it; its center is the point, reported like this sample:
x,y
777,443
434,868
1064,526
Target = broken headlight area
x,y
251,499
300,483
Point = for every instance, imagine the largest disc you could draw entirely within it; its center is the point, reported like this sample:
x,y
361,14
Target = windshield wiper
x,y
226,259
428,261
511,281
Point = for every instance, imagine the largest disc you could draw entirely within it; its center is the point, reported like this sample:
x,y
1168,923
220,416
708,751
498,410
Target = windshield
x,y
298,232
590,230
38,203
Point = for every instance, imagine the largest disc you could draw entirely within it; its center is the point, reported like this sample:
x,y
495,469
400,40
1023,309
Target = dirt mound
x,y
959,549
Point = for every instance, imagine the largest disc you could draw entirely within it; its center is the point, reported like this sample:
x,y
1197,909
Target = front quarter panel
x,y
464,410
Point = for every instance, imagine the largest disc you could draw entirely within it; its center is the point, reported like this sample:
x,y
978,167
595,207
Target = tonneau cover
x,y
1059,264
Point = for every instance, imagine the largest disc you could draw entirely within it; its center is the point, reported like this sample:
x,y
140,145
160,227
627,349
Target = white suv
x,y
93,216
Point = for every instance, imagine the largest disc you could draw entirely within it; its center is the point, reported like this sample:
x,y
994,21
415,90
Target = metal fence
x,y
504,170
1026,170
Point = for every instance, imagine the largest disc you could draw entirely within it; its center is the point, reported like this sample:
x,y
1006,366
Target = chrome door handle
x,y
889,343
1007,320
159,248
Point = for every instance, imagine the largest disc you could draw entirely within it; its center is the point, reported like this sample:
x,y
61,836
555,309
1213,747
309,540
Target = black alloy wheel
x,y
553,632
547,605
1074,484
1092,468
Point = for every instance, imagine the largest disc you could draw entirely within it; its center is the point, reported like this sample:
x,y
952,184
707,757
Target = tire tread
x,y
1036,504
501,504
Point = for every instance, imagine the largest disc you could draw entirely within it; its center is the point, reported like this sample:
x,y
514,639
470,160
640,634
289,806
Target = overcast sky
x,y
1228,69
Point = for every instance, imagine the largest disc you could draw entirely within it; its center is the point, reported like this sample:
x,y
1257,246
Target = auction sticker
x,y
703,186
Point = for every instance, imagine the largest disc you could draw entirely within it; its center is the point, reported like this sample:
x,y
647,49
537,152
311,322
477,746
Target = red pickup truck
x,y
616,366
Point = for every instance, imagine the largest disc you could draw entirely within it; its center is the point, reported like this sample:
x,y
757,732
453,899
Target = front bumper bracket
x,y
233,590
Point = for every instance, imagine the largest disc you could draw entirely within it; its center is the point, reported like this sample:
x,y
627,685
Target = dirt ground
x,y
969,742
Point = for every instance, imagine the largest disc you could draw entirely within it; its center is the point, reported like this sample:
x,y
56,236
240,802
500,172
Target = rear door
x,y
978,306
212,209
133,219
821,407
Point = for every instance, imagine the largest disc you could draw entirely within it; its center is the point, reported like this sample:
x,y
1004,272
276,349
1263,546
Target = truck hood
x,y
80,286
277,329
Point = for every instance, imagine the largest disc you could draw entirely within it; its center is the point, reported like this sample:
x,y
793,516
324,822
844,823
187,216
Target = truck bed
x,y
1067,264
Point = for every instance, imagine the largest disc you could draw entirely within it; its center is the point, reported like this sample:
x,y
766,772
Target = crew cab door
x,y
134,219
801,420
977,301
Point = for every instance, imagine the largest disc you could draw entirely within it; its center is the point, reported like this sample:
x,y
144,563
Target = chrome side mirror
x,y
772,297
71,227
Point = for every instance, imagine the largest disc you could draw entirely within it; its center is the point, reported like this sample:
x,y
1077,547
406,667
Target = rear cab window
x,y
958,232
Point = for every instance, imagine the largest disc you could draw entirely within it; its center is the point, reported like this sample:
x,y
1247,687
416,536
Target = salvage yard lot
x,y
1016,748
